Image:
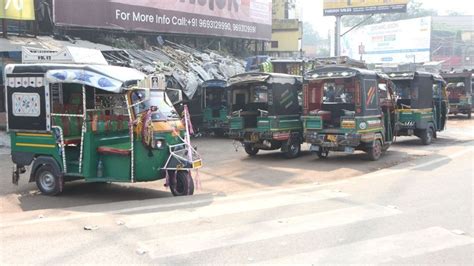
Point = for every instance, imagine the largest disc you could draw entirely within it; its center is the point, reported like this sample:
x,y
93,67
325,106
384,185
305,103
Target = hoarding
x,y
249,19
17,9
357,7
403,41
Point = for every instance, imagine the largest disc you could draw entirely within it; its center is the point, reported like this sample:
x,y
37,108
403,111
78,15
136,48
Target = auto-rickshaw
x,y
215,111
265,112
459,88
422,104
347,109
99,123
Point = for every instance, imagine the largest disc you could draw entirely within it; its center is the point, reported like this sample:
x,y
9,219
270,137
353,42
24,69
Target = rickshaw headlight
x,y
363,125
159,144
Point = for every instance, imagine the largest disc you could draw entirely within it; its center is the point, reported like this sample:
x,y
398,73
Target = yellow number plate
x,y
254,137
197,164
332,138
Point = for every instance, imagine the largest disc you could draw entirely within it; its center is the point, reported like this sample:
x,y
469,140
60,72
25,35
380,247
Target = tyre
x,y
182,184
427,136
375,152
250,149
322,153
293,150
48,181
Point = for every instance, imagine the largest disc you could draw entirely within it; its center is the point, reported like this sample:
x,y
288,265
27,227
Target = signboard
x,y
17,9
403,41
357,7
67,55
249,19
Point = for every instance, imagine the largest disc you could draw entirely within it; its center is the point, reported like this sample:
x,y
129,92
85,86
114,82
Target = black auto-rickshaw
x,y
346,109
422,104
459,88
265,112
215,97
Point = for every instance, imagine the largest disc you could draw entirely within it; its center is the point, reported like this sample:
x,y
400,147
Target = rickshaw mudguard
x,y
22,158
41,160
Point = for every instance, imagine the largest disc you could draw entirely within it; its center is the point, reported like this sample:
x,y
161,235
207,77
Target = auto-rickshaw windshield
x,y
159,103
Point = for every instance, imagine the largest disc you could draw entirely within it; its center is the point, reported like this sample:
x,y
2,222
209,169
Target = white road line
x,y
190,203
200,241
234,207
381,250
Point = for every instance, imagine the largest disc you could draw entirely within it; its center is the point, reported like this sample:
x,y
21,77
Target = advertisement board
x,y
357,7
17,9
403,41
249,19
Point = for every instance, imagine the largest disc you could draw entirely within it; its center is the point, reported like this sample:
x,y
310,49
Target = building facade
x,y
287,29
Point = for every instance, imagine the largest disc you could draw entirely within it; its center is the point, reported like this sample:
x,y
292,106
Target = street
x,y
413,206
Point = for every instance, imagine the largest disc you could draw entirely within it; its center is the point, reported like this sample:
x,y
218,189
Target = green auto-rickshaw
x,y
99,123
265,112
459,89
422,104
347,109
215,97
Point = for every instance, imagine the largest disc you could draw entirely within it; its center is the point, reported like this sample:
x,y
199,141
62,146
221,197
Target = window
x,y
274,44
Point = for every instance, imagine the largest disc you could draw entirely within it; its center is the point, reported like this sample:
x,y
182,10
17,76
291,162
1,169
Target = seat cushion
x,y
117,149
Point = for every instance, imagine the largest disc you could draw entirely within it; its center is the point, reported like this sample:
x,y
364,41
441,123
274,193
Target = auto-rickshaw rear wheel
x,y
375,152
48,181
182,184
427,136
292,150
250,149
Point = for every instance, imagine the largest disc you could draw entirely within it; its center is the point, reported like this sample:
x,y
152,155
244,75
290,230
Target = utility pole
x,y
337,37
5,28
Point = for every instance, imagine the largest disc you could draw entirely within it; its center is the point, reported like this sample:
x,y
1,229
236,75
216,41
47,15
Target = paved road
x,y
418,211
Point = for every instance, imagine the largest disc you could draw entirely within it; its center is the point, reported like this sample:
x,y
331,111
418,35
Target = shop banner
x,y
249,19
357,7
17,9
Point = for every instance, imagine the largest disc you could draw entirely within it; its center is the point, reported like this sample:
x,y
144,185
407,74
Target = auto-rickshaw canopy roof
x,y
332,72
255,77
413,75
214,84
109,78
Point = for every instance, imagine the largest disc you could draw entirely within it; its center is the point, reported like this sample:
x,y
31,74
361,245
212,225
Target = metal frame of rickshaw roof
x,y
334,71
254,77
464,74
105,77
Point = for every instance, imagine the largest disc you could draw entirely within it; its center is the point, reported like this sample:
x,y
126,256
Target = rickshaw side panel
x,y
31,145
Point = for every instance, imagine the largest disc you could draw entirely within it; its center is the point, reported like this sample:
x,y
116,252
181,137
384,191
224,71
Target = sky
x,y
312,11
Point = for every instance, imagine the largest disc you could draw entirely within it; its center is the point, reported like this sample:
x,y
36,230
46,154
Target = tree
x,y
415,9
310,36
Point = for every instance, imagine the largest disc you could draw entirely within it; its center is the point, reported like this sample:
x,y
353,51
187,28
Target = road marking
x,y
201,241
188,202
381,250
234,207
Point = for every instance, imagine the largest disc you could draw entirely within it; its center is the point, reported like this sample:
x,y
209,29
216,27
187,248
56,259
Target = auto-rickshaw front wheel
x,y
47,180
182,184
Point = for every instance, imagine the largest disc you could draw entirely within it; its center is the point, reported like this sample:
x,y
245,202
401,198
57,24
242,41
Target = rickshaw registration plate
x,y
332,138
197,164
